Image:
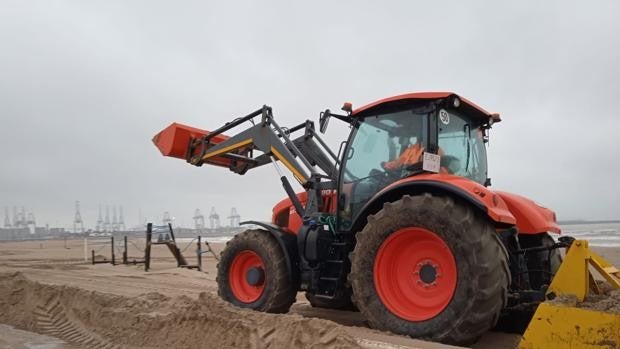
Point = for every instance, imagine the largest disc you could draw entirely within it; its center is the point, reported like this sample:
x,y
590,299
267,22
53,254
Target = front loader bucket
x,y
174,141
579,313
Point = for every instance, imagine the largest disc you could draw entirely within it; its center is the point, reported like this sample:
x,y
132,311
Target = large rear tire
x,y
430,267
252,273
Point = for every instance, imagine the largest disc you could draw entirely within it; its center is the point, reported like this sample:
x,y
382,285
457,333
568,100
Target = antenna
x,y
121,219
141,220
106,222
30,222
214,219
19,218
99,221
234,217
77,221
15,217
199,220
167,219
114,219
7,219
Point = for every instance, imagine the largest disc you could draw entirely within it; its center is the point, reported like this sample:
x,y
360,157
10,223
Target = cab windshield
x,y
388,147
380,139
461,146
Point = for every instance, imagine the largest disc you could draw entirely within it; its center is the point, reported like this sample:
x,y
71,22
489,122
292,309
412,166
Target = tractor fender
x,y
288,244
532,218
481,198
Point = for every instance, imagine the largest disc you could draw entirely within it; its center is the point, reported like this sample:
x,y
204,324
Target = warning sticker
x,y
431,162
444,116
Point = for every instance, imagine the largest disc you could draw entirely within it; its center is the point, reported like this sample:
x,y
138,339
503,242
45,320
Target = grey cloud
x,y
85,85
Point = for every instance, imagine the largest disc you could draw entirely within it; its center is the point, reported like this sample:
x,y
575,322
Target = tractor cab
x,y
389,141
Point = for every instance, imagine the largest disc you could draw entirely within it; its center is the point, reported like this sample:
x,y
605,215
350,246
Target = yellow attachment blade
x,y
558,326
608,271
574,277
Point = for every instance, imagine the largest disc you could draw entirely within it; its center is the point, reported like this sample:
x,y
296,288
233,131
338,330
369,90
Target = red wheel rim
x,y
241,265
415,274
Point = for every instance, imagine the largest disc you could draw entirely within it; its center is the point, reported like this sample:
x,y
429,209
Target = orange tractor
x,y
400,223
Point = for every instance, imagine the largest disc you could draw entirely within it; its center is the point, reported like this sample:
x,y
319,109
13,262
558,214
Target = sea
x,y
605,234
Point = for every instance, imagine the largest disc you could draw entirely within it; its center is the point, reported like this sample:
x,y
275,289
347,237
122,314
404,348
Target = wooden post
x,y
85,249
125,251
177,255
199,254
112,242
93,254
172,233
147,250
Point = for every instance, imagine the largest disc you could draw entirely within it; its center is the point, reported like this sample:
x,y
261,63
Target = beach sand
x,y
46,287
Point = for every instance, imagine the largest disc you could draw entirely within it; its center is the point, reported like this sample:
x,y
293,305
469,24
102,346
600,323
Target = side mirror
x,y
324,120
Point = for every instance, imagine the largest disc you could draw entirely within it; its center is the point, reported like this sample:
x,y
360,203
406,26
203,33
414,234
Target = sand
x,y
607,301
153,320
46,287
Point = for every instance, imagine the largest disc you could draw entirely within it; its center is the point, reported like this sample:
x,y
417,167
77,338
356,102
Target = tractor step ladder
x,y
337,274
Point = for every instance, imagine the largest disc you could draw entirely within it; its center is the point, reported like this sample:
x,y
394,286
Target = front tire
x,y
429,267
252,273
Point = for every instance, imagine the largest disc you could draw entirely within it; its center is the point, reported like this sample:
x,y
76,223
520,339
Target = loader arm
x,y
298,156
258,144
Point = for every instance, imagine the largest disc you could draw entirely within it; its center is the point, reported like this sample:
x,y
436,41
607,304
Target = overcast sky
x,y
84,85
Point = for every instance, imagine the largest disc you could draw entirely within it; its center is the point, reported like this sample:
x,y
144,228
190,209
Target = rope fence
x,y
188,245
136,246
119,246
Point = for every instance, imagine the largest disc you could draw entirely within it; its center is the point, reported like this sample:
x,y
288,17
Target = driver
x,y
414,154
411,155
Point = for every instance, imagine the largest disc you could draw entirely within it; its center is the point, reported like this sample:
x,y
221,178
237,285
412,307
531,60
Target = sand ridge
x,y
152,320
55,265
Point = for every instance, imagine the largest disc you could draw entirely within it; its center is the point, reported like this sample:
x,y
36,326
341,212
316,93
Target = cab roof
x,y
467,104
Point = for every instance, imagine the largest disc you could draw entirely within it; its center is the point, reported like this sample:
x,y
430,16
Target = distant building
x,y
22,233
56,231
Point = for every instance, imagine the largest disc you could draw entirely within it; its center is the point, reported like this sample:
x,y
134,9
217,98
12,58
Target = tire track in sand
x,y
91,319
52,318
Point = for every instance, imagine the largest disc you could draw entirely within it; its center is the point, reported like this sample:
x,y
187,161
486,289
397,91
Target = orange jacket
x,y
413,154
410,156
